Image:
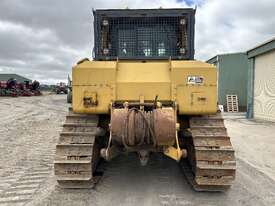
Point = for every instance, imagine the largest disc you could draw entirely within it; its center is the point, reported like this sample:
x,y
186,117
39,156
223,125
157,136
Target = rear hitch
x,y
143,157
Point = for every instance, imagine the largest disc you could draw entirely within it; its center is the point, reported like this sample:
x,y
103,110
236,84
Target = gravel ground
x,y
29,128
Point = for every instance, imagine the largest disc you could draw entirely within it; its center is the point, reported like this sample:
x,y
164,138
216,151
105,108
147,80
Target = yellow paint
x,y
129,80
90,98
174,152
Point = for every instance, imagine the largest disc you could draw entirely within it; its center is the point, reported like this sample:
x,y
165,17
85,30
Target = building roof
x,y
262,48
214,58
6,77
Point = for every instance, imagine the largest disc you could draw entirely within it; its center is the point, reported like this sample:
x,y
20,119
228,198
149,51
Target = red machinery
x,y
14,89
61,88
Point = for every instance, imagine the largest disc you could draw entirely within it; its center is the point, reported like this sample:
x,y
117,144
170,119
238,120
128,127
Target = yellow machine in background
x,y
144,93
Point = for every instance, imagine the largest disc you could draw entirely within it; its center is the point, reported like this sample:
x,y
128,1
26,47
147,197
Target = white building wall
x,y
264,87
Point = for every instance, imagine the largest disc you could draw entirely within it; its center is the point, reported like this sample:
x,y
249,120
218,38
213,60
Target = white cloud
x,y
231,26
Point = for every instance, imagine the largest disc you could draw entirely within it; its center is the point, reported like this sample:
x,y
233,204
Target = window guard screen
x,y
144,37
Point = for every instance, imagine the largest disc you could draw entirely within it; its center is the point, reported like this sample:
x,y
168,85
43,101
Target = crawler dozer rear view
x,y
143,92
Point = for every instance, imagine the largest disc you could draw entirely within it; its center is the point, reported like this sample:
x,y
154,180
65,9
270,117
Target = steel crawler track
x,y
211,164
77,152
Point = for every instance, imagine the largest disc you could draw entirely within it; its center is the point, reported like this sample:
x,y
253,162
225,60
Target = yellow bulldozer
x,y
143,92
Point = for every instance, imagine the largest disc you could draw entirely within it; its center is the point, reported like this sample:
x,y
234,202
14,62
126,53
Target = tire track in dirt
x,y
28,146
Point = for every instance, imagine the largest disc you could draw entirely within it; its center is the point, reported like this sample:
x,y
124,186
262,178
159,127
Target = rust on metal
x,y
165,126
211,164
135,127
77,152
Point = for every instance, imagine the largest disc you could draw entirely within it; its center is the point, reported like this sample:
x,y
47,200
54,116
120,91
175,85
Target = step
x,y
222,181
61,161
77,139
207,127
206,122
71,178
69,169
218,116
79,124
74,149
76,184
210,132
215,170
214,154
83,115
75,128
78,133
225,165
211,141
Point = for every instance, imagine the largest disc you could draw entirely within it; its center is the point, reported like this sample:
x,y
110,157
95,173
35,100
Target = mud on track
x,y
29,130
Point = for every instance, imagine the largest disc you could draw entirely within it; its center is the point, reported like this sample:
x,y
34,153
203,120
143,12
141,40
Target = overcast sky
x,y
42,39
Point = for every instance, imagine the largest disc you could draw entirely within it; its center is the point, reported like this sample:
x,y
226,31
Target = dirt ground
x,y
29,128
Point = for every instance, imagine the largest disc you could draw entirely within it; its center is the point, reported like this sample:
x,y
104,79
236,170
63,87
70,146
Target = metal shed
x,y
20,79
232,77
261,84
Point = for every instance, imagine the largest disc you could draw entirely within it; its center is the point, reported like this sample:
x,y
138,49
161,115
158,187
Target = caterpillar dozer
x,y
143,92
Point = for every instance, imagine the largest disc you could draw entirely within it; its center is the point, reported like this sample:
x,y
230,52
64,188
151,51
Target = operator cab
x,y
144,34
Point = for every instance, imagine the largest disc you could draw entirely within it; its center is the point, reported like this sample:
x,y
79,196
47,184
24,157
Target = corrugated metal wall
x,y
264,86
232,77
